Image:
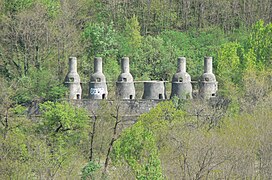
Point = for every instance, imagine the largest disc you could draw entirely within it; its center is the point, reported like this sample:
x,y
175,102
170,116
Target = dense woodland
x,y
225,138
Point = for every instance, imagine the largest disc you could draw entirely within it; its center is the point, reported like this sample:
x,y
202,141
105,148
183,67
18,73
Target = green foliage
x,y
37,37
154,60
137,148
260,42
89,170
64,127
131,38
100,39
56,92
236,59
138,145
52,7
16,141
14,6
99,9
194,45
229,68
62,118
250,61
39,84
30,153
19,110
162,115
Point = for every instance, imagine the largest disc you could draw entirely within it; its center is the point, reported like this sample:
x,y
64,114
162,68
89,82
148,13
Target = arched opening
x,y
71,79
180,79
160,96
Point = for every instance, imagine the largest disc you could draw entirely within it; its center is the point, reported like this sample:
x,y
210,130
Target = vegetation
x,y
43,137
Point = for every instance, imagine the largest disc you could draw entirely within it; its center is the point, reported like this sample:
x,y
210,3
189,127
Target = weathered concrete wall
x,y
130,110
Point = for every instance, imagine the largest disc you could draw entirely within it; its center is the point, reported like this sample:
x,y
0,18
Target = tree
x,y
64,127
131,37
229,66
136,147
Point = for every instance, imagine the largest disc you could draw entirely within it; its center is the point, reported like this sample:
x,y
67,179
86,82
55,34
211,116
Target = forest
x,y
226,138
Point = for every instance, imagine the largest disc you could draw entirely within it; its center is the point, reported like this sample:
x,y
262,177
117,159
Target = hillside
x,y
196,139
